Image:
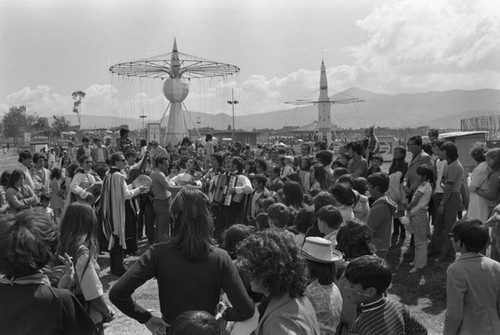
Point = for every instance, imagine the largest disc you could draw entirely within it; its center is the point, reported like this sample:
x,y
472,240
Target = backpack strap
x,y
77,256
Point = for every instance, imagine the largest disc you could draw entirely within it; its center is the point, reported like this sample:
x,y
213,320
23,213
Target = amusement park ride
x,y
175,69
324,125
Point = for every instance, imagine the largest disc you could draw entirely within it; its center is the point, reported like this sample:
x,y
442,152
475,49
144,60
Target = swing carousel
x,y
175,69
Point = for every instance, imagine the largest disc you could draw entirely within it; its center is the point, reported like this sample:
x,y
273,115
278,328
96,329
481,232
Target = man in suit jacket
x,y
99,153
472,283
83,149
419,157
275,183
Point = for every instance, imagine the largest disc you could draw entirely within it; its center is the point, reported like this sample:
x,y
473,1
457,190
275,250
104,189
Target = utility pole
x,y
198,122
232,103
143,126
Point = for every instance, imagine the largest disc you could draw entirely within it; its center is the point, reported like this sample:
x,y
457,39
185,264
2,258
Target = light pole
x,y
143,127
232,103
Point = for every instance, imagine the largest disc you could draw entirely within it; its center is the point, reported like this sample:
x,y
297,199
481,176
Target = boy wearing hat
x,y
368,277
322,291
329,222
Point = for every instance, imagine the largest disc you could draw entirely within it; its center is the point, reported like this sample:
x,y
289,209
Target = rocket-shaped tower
x,y
175,89
324,108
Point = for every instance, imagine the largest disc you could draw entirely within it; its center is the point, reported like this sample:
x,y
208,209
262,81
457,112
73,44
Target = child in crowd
x,y
261,219
44,202
322,291
275,183
329,222
368,277
259,192
233,236
304,172
173,171
4,206
57,194
277,216
345,198
339,172
320,200
305,219
418,215
194,322
288,168
472,283
381,213
376,163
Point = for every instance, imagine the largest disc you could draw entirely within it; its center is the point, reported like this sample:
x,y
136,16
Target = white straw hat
x,y
320,250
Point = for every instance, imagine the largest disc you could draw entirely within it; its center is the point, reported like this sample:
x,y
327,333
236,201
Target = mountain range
x,y
436,109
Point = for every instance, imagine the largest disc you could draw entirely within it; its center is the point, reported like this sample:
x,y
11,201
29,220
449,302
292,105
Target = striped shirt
x,y
386,317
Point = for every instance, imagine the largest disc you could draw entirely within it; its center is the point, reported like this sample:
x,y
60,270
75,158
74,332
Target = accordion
x,y
218,192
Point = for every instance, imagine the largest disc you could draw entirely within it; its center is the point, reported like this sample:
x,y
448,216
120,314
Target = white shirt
x,y
440,167
423,202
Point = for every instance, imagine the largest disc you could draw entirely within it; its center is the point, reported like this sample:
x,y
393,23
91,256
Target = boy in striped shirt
x,y
368,277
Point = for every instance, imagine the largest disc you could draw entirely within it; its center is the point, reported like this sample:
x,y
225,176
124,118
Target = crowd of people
x,y
246,240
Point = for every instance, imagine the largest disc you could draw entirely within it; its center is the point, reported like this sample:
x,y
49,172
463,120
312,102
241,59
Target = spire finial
x,y
175,45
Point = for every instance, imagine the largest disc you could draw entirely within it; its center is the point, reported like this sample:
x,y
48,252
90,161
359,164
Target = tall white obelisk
x,y
324,108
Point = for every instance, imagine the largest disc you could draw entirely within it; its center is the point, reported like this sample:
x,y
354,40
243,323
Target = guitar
x,y
95,193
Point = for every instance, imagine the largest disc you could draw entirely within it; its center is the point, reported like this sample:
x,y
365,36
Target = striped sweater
x,y
386,317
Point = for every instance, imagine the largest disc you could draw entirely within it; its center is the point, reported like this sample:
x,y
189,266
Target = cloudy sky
x,y
51,48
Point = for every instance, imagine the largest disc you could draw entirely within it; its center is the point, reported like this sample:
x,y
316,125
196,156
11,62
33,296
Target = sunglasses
x,y
87,162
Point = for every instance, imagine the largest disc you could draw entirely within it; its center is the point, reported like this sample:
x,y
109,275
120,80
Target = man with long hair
x,y
113,212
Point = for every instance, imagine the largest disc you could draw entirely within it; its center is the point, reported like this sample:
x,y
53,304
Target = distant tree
x,y
60,124
38,124
77,105
15,122
229,127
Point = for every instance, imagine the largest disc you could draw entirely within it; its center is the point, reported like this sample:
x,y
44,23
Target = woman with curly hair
x,y
278,270
190,270
29,305
78,238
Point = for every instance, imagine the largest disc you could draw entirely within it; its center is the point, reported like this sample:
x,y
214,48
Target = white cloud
x,y
430,45
411,46
40,100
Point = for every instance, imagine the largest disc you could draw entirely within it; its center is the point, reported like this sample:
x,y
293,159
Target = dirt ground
x,y
424,293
